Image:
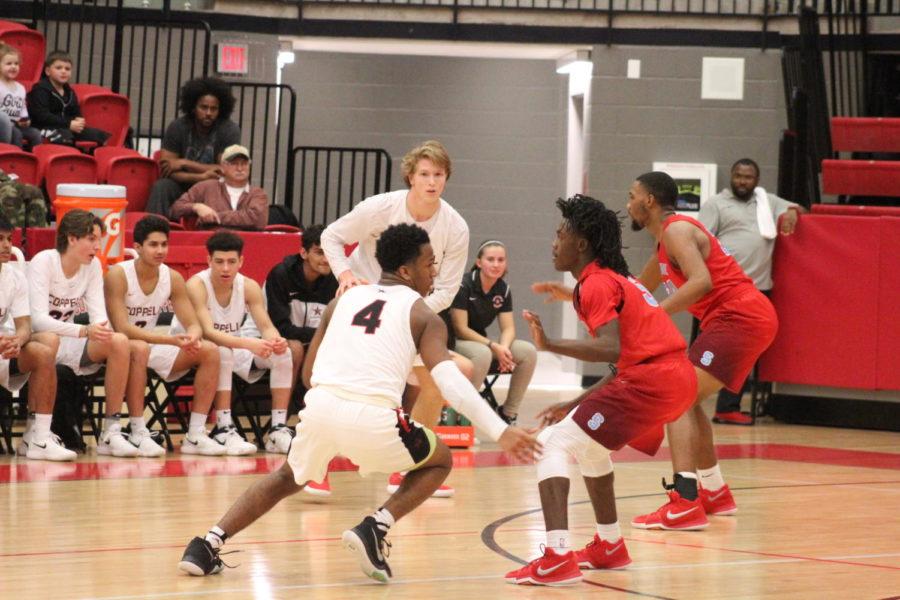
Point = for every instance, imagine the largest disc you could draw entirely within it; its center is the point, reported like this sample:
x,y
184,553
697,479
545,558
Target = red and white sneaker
x,y
677,514
394,481
551,569
600,554
322,489
719,502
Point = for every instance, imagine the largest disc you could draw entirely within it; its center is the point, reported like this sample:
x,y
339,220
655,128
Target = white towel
x,y
764,217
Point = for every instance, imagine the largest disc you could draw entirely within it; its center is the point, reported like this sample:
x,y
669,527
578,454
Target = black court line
x,y
487,534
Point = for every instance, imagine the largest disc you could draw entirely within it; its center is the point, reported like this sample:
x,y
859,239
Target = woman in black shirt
x,y
483,297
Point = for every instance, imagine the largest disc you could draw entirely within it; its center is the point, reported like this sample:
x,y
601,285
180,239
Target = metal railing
x,y
331,181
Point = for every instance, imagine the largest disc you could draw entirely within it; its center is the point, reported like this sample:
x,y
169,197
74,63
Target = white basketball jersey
x,y
227,319
144,309
368,347
13,297
67,295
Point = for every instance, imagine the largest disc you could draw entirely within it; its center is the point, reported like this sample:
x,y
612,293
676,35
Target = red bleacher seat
x,y
121,166
187,260
104,110
132,217
861,177
282,228
32,47
865,134
11,25
23,164
64,164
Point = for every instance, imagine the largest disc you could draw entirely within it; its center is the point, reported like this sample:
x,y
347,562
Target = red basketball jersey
x,y
645,330
728,279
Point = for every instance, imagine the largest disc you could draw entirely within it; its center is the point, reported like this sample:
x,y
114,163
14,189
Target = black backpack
x,y
280,215
68,412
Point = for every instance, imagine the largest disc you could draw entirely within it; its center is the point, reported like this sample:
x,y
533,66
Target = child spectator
x,y
12,99
54,108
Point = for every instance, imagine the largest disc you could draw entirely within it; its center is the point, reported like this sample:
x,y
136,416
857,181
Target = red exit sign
x,y
232,59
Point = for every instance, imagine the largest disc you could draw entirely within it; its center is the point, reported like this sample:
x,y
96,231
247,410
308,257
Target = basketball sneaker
x,y
22,447
732,418
200,559
322,488
145,445
113,443
550,569
719,502
367,541
201,443
50,448
234,444
600,554
676,514
394,481
279,439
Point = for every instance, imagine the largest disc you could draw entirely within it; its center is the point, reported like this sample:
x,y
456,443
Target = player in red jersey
x,y
737,324
652,384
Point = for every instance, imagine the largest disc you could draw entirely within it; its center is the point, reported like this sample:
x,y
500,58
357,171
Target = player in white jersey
x,y
137,292
426,170
68,280
222,298
22,353
354,407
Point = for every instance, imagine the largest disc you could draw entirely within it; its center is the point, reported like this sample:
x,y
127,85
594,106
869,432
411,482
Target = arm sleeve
x,y
39,106
447,283
350,228
39,300
184,205
709,216
462,397
93,295
254,215
280,308
598,300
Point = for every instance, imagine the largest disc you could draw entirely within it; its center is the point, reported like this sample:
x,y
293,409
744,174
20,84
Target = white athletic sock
x,y
609,533
711,479
40,428
197,424
137,424
558,541
216,537
279,417
112,423
223,418
384,518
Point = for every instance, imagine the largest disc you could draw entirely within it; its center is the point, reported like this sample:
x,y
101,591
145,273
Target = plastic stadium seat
x,y
44,152
132,217
861,177
281,228
23,164
32,46
62,164
865,134
105,110
121,166
187,260
10,26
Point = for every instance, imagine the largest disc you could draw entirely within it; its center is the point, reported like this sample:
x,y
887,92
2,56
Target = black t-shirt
x,y
481,307
182,139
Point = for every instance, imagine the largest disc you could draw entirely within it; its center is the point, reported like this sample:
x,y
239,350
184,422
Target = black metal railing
x,y
331,181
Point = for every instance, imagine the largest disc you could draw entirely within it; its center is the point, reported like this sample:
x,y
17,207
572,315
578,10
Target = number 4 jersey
x,y
645,330
55,299
368,347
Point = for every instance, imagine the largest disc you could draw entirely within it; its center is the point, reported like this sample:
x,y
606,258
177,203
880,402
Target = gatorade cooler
x,y
107,202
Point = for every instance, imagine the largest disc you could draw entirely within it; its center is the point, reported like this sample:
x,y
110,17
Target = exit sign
x,y
232,59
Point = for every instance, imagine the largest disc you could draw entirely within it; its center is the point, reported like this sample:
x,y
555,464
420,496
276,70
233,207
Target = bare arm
x,y
310,359
183,170
197,293
115,287
650,276
682,244
257,307
603,347
11,345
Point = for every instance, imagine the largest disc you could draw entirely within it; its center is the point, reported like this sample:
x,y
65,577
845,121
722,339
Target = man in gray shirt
x,y
744,218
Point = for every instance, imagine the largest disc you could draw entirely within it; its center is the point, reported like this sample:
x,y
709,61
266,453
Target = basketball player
x,y
652,384
23,353
137,292
425,170
222,298
68,280
354,407
737,324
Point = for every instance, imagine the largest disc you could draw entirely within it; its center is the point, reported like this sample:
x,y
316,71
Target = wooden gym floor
x,y
819,518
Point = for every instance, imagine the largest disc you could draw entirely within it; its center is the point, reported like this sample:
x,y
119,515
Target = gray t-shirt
x,y
182,139
734,222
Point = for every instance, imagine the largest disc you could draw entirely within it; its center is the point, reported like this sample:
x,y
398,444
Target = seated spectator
x,y
229,201
193,143
12,101
483,297
53,105
22,203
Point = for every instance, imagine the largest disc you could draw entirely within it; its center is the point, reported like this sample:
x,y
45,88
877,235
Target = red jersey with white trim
x,y
728,279
645,330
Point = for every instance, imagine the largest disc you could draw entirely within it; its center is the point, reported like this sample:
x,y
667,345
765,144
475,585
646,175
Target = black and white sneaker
x,y
367,541
200,559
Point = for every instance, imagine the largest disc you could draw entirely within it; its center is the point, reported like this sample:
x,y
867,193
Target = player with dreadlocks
x,y
652,384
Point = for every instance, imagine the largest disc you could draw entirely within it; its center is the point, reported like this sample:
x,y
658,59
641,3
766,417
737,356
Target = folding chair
x,y
248,402
176,404
488,392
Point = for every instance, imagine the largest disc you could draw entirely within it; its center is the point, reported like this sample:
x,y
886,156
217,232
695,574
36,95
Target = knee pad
x,y
226,367
282,371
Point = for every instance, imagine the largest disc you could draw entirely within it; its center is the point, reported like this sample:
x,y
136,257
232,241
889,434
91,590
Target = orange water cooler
x,y
108,203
